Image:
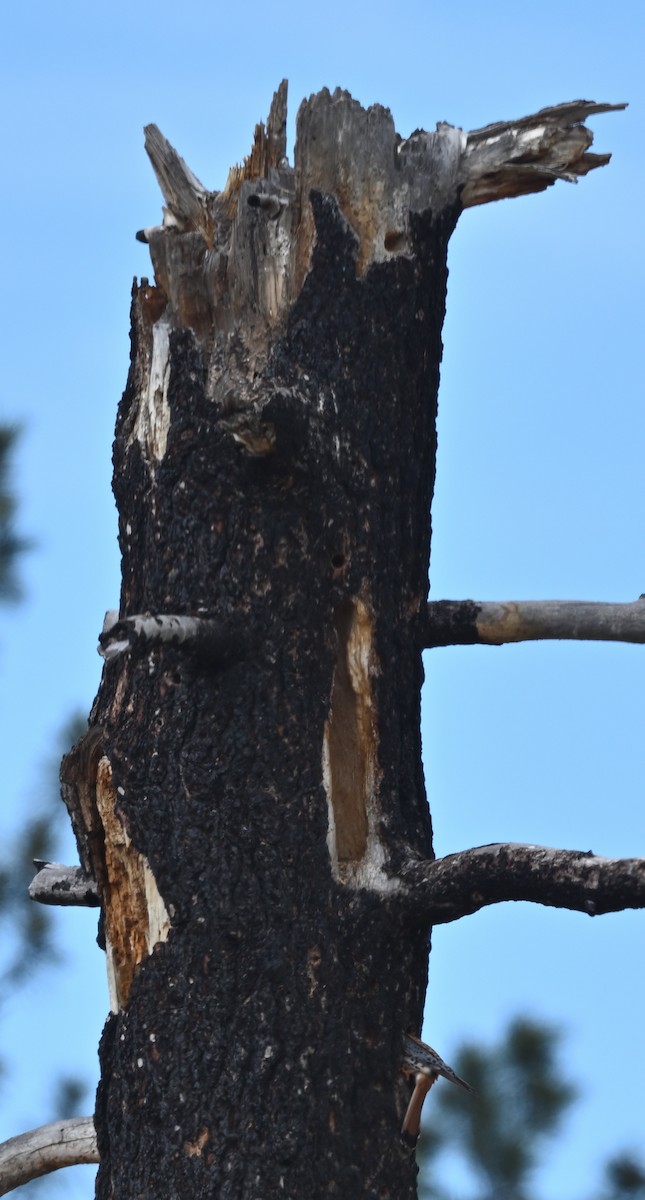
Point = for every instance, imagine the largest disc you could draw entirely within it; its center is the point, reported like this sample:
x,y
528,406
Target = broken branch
x,y
216,643
186,198
515,158
493,623
68,886
46,1149
460,884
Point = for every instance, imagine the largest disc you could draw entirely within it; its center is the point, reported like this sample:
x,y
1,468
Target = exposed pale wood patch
x,y
350,766
196,1148
153,417
216,261
135,915
492,622
350,735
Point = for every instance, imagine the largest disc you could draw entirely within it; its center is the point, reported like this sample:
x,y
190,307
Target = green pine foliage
x,y
624,1179
520,1102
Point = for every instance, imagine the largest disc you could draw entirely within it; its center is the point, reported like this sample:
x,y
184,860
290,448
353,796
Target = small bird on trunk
x,y
425,1064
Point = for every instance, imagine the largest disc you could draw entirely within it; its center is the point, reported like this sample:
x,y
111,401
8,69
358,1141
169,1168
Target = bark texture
x,y
460,884
254,755
274,464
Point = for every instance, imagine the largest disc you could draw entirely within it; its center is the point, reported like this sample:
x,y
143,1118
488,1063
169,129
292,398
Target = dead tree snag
x,y
259,833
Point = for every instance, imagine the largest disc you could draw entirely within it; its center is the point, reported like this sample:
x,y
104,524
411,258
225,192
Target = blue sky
x,y
540,484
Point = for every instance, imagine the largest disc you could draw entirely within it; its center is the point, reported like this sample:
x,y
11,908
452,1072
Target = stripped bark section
x,y
245,251
494,623
135,914
350,748
114,873
78,774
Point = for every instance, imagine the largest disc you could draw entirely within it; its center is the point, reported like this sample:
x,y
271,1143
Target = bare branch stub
x,y
186,198
495,623
58,884
516,158
216,644
460,884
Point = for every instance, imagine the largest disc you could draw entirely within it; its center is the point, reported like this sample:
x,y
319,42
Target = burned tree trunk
x,y
273,470
257,766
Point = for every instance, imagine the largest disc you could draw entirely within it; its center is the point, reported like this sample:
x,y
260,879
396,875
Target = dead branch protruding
x,y
515,158
46,1149
494,623
460,884
215,644
70,887
186,198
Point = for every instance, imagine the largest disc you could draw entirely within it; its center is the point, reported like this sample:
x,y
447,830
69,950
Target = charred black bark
x,y
460,884
274,467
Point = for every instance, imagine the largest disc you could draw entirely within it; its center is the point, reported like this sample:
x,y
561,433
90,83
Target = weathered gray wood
x,y
186,198
55,883
213,642
46,1149
378,178
460,884
515,158
494,623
